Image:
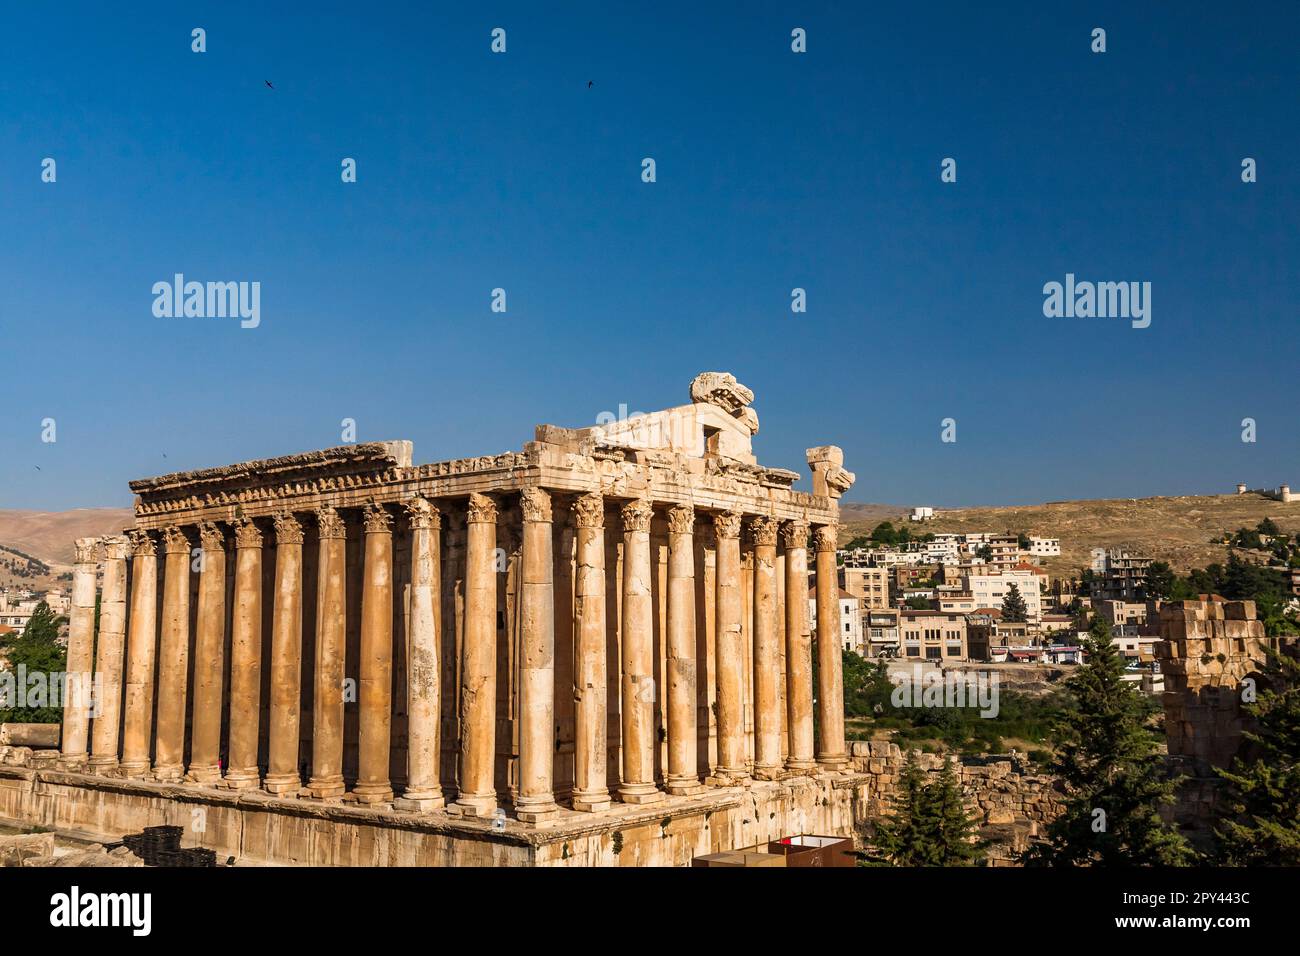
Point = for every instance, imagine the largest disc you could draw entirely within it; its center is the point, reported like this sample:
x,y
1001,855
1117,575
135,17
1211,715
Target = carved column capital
x,y
681,519
726,524
378,520
589,510
637,515
481,510
794,534
535,504
762,530
288,529
142,544
423,514
247,534
329,524
87,550
116,547
175,540
824,537
211,536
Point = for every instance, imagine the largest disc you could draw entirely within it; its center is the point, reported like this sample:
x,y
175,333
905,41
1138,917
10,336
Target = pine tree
x,y
1107,761
904,839
956,843
1014,609
1262,824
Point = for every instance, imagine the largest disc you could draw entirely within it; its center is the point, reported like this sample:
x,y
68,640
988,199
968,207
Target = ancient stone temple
x,y
347,657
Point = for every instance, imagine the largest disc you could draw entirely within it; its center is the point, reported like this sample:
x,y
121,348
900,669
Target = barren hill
x,y
1177,530
48,535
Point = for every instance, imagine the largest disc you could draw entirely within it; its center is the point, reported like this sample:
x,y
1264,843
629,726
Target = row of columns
x,y
124,663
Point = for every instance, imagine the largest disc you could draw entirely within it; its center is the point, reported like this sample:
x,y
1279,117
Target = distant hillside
x,y
48,535
852,513
1177,530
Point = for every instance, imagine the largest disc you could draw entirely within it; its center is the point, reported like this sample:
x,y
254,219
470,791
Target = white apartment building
x,y
989,590
850,624
1044,547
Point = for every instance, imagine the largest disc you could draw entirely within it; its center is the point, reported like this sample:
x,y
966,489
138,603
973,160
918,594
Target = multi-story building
x,y
870,585
990,590
850,626
1044,547
933,635
882,635
1119,575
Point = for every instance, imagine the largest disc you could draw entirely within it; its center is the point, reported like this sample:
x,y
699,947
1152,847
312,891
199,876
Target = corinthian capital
x,y
142,544
763,531
115,547
288,529
535,504
87,550
637,515
794,534
247,534
378,520
211,537
482,509
681,519
328,525
423,515
589,510
824,537
175,541
726,524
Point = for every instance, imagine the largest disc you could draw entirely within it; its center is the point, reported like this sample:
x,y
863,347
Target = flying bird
x,y
268,84
38,467
589,84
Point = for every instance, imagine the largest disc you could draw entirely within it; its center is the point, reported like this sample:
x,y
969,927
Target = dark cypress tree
x,y
905,838
1113,778
1014,608
956,843
1261,826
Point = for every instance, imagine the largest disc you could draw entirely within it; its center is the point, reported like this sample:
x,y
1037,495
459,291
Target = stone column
x,y
478,701
683,776
209,658
798,655
767,652
638,697
331,624
590,790
535,798
108,657
423,681
173,658
376,670
286,660
81,651
246,658
141,650
731,652
831,751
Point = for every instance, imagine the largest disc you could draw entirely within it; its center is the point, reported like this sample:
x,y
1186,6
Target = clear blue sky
x,y
775,170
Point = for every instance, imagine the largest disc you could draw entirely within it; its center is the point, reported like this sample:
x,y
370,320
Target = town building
x,y
933,635
1118,575
849,625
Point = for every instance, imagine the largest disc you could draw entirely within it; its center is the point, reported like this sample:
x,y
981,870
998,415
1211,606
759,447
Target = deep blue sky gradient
x,y
775,170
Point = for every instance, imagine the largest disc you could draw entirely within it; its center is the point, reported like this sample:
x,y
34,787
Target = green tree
x,y
984,552
929,826
1160,581
1268,527
1261,825
38,651
955,836
1106,759
1014,609
918,603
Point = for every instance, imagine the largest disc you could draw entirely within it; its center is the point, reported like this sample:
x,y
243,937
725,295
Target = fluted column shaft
x,y
173,658
141,650
730,651
831,751
209,658
376,670
590,790
683,771
638,686
767,652
477,796
109,656
246,658
78,682
798,655
535,796
328,671
423,682
282,775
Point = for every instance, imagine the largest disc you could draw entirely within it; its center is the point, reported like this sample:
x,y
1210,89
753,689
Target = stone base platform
x,y
256,827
